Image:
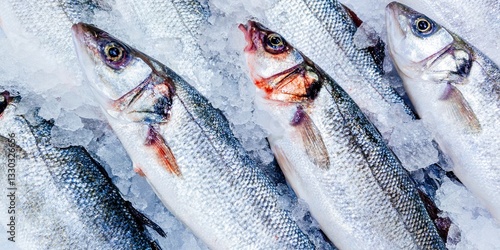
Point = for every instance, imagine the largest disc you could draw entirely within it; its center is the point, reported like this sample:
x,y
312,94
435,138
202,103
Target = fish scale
x,y
64,199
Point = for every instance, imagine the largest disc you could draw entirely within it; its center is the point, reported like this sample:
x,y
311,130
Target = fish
x,y
325,31
185,148
331,154
60,198
456,92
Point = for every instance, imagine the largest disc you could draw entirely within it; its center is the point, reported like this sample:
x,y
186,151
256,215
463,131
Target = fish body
x,y
185,149
63,198
455,89
331,155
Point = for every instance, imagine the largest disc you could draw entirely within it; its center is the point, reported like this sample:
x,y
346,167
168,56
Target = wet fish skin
x,y
323,30
185,149
455,90
47,23
331,154
64,198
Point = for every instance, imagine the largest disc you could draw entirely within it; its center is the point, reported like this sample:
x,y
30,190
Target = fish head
x,y
276,67
414,39
127,83
434,64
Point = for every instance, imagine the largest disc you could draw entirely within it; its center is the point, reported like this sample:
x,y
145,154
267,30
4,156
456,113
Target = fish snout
x,y
249,31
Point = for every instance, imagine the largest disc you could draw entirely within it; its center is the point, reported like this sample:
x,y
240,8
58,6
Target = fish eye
x,y
423,26
113,51
275,43
115,55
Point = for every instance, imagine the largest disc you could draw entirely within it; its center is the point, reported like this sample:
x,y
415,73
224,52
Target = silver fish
x,y
331,155
455,89
185,149
60,198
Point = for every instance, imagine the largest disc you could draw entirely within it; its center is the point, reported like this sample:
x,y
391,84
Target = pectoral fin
x,y
163,151
460,110
311,137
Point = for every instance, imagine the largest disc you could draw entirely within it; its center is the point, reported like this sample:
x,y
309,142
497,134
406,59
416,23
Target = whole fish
x,y
331,154
60,198
185,148
455,89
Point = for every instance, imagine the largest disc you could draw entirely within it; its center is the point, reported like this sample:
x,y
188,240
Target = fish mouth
x,y
6,99
248,31
393,20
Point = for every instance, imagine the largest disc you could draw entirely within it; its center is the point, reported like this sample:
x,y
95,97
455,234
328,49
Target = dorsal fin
x,y
143,220
163,151
377,51
311,137
355,19
442,223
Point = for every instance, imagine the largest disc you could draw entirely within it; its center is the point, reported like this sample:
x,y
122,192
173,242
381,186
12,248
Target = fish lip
x,y
84,40
6,99
392,12
248,31
393,26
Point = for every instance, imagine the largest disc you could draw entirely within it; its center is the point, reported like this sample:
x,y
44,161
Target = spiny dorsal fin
x,y
144,220
460,110
355,19
311,137
163,152
442,223
377,51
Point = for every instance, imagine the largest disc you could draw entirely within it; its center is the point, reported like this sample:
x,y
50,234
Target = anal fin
x,y
460,110
311,137
163,151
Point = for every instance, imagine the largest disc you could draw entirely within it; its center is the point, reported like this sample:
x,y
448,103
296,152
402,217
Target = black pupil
x,y
423,25
114,52
275,40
